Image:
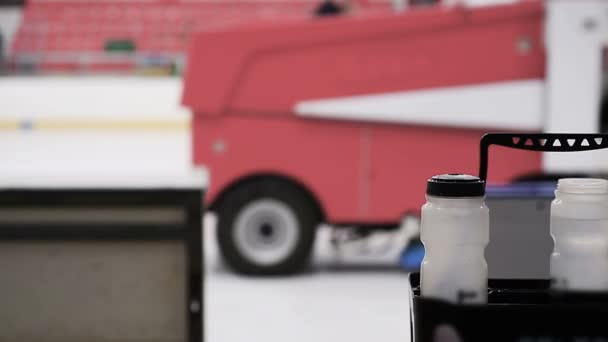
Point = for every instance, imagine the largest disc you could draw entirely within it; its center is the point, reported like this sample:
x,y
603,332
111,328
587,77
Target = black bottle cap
x,y
455,185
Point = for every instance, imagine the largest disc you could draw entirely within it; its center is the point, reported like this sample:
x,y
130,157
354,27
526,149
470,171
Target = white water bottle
x,y
455,231
579,227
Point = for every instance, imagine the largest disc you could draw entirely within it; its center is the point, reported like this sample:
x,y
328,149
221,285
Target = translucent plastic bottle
x,y
579,227
455,231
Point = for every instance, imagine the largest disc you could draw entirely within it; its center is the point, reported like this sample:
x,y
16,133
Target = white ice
x,y
323,304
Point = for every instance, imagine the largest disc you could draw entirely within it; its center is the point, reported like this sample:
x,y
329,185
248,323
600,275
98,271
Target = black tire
x,y
234,210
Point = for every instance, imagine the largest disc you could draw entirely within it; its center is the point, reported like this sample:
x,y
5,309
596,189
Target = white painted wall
x,y
576,32
93,153
98,97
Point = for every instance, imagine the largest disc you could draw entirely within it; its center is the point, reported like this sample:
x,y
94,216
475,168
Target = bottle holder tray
x,y
518,310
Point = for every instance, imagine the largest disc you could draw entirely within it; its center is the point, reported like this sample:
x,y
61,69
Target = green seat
x,y
119,45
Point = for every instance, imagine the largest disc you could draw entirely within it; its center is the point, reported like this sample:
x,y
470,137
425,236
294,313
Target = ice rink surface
x,y
324,304
331,302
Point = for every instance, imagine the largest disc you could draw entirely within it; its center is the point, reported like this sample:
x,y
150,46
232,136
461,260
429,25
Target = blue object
x,y
412,256
26,125
522,190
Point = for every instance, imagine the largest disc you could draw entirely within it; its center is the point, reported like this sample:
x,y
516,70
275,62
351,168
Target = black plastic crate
x,y
519,310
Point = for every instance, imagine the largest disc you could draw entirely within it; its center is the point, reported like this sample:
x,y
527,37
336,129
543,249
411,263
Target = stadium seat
x,y
54,33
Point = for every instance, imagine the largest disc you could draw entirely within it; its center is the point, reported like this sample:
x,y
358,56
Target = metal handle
x,y
544,142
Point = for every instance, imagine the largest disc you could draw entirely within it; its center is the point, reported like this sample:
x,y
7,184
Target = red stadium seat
x,y
70,26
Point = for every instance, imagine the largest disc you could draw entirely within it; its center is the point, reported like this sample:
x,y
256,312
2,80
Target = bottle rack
x,y
518,310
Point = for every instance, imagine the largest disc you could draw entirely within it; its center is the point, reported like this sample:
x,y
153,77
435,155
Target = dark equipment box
x,y
101,264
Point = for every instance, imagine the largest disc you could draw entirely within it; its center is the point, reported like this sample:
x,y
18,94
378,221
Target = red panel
x,y
270,69
322,155
454,56
402,158
221,62
359,172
